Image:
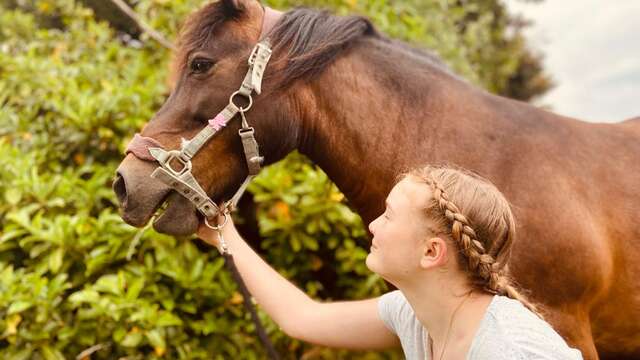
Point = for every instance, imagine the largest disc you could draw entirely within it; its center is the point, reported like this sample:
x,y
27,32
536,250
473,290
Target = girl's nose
x,y
372,226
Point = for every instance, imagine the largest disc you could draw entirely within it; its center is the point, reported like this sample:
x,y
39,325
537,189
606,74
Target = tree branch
x,y
142,25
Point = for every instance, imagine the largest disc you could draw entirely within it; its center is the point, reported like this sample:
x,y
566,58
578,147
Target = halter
x,y
181,179
175,165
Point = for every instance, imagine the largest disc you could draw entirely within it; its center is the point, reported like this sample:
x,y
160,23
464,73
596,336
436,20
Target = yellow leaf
x,y
12,324
78,158
44,6
236,298
106,85
316,263
281,210
159,350
337,197
58,50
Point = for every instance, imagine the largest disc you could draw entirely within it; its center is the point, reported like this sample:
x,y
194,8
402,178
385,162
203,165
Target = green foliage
x,y
74,276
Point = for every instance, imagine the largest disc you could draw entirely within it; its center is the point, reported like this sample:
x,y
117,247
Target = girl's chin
x,y
370,261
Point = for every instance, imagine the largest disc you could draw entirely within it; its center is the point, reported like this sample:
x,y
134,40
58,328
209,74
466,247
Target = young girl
x,y
442,241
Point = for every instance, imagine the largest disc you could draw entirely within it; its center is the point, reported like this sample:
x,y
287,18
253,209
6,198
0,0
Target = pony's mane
x,y
307,40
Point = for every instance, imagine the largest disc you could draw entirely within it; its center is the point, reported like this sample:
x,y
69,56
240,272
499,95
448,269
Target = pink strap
x,y
270,18
218,122
140,145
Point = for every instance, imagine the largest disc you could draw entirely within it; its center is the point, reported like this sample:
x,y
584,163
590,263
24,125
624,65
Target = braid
x,y
492,277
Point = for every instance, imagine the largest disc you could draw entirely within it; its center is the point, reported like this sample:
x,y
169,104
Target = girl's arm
x,y
345,324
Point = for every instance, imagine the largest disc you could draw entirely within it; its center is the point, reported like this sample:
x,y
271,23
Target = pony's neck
x,y
382,109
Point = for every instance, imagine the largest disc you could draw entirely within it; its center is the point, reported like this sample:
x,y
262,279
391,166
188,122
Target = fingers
x,y
207,235
212,236
203,230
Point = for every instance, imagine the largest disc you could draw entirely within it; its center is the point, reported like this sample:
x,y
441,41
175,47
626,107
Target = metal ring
x,y
217,227
237,92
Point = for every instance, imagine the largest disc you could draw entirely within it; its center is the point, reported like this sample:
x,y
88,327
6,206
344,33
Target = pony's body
x,y
573,185
378,108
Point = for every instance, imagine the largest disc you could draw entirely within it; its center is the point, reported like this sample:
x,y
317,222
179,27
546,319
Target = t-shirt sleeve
x,y
389,306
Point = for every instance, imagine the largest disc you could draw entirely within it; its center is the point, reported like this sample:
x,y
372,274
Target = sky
x,y
592,51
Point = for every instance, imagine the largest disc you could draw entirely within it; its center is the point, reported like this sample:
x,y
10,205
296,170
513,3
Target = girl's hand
x,y
210,236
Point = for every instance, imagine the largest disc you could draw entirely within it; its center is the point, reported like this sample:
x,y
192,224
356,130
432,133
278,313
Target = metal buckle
x,y
176,155
256,49
248,130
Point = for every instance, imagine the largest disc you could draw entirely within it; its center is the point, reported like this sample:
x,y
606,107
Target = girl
x,y
443,241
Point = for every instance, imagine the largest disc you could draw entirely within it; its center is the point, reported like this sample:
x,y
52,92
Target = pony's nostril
x,y
120,188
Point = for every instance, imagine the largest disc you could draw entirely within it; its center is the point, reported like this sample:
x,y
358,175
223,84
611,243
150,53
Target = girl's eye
x,y
199,66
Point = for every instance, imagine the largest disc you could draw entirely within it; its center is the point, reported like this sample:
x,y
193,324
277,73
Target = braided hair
x,y
478,219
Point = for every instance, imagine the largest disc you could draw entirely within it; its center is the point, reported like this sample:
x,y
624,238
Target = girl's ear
x,y
434,253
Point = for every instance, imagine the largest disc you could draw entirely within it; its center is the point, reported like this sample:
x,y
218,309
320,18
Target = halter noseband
x,y
175,165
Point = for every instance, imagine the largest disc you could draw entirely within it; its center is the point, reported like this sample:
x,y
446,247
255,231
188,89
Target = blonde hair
x,y
478,218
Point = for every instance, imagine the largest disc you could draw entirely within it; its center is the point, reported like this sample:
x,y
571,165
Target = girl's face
x,y
399,234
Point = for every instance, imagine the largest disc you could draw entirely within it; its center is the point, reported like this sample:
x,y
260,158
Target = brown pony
x,y
364,108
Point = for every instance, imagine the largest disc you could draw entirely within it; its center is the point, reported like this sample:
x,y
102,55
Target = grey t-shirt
x,y
508,330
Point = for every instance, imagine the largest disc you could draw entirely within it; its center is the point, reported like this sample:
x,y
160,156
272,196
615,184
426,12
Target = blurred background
x,y
592,51
79,78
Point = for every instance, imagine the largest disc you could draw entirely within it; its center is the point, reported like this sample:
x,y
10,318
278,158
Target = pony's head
x,y
209,65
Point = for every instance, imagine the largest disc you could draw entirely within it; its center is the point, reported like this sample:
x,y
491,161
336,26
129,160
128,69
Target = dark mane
x,y
309,40
305,40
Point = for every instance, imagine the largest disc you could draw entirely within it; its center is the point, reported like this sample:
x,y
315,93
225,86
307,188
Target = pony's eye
x,y
199,66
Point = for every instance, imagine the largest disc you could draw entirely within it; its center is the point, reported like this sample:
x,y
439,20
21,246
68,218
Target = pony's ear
x,y
232,8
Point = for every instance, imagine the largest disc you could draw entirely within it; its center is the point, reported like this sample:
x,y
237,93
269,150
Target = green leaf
x,y
196,269
295,242
109,283
13,196
156,338
132,339
119,334
50,353
309,242
135,287
168,319
55,260
87,295
24,354
18,306
12,234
